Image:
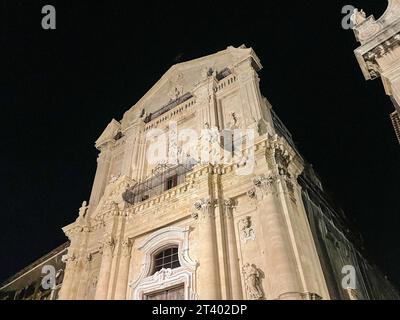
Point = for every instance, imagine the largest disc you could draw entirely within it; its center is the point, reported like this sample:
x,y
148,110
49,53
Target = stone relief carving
x,y
247,232
283,160
263,185
252,278
162,275
177,87
234,123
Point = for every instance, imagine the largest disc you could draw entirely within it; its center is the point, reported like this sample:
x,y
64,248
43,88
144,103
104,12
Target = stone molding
x,y
166,278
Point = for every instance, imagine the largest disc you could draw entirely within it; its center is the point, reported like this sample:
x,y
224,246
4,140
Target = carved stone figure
x,y
252,278
83,210
247,231
358,17
177,87
233,124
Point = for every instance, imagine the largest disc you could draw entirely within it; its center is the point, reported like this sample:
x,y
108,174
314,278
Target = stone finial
x,y
358,17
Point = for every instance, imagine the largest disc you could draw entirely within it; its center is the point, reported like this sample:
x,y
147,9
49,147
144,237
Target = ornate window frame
x,y
147,283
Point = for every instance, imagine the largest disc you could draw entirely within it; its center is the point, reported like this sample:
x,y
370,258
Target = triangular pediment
x,y
182,78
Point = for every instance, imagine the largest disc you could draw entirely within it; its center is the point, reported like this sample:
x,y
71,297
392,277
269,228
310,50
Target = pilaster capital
x,y
126,247
205,207
229,205
263,185
107,246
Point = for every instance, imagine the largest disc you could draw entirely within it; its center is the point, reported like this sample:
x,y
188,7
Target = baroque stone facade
x,y
253,226
379,53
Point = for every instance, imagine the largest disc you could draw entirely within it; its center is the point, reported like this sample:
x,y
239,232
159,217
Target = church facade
x,y
379,52
200,193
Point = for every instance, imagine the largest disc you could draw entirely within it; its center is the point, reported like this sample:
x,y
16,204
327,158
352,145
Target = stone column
x,y
84,279
284,277
209,284
123,272
233,258
69,273
105,269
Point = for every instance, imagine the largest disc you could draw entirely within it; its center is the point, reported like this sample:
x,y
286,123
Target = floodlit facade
x,y
201,193
379,53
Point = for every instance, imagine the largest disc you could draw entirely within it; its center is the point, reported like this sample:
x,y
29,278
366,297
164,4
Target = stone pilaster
x,y
123,272
233,258
280,261
84,277
209,284
69,273
105,268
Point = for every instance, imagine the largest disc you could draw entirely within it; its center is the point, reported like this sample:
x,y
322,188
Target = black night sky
x,y
59,89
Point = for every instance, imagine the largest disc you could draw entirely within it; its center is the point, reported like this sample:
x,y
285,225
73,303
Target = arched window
x,y
166,259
